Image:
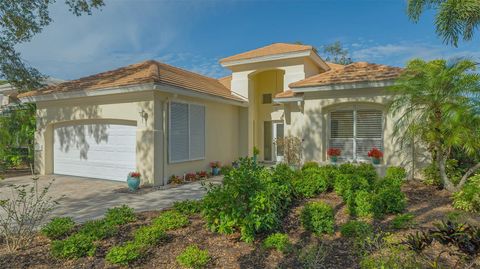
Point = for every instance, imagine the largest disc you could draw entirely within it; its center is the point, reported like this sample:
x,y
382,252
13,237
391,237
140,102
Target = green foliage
x,y
308,165
311,182
453,19
188,207
313,256
251,199
124,254
58,227
278,241
149,235
363,204
170,220
431,174
403,221
392,256
389,199
98,229
356,229
120,215
336,53
395,173
75,246
193,257
318,218
226,169
468,198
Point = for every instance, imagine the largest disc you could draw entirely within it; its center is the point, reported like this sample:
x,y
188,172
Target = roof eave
x,y
343,86
288,99
280,56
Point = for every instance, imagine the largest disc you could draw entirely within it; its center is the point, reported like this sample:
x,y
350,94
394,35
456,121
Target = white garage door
x,y
104,151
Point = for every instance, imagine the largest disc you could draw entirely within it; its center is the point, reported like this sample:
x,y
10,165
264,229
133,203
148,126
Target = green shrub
x,y
431,174
124,254
277,241
226,169
318,218
312,182
188,207
58,228
98,229
347,184
75,246
308,165
120,215
356,229
170,220
363,204
396,173
468,198
251,199
389,199
347,168
391,256
193,257
403,221
149,235
367,171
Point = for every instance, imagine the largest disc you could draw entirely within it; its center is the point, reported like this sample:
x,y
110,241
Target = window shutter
x,y
197,132
369,128
179,141
341,132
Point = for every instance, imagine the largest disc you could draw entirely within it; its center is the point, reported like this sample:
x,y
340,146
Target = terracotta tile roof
x,y
355,72
226,81
140,73
334,65
285,94
276,48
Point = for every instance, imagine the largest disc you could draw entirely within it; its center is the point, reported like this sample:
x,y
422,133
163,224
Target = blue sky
x,y
195,34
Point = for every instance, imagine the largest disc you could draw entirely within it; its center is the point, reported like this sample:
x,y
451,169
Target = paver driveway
x,y
87,198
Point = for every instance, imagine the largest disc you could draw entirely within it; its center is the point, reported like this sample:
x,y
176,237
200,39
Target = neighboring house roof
x,y
145,72
276,48
355,72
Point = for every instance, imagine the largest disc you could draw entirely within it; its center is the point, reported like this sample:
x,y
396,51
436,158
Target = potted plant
x,y
215,168
202,175
333,154
376,155
190,177
133,181
256,151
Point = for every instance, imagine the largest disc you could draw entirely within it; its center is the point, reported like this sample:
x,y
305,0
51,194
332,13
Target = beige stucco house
x,y
163,121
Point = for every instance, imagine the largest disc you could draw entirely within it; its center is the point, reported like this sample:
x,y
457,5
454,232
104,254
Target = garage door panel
x,y
98,151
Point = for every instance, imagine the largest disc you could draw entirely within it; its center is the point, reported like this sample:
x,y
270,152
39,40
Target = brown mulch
x,y
16,172
428,204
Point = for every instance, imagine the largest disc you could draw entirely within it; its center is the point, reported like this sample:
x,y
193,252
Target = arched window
x,y
355,132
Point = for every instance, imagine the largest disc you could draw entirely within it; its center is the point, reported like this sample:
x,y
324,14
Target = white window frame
x,y
354,139
189,132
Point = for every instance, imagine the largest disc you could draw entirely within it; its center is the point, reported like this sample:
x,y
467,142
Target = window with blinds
x,y
355,132
186,132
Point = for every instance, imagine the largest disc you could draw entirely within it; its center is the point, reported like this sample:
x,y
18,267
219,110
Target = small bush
x,y
347,184
193,257
278,241
314,256
75,246
363,204
403,221
120,215
367,171
308,165
318,218
389,199
58,228
356,229
396,173
149,235
188,207
311,183
98,229
392,256
226,169
468,198
124,254
170,220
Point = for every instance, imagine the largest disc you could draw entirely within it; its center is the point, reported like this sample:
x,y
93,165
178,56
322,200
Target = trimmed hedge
x,y
318,217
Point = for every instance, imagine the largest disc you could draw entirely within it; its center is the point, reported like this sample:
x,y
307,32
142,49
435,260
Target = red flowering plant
x,y
134,174
190,177
215,164
334,152
375,153
202,174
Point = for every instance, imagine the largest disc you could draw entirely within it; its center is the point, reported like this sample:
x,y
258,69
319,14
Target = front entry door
x,y
278,133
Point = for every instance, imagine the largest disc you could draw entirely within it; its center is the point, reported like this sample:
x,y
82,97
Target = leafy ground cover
x,y
184,236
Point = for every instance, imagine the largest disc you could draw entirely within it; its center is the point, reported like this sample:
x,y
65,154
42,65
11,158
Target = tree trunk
x,y
441,162
467,175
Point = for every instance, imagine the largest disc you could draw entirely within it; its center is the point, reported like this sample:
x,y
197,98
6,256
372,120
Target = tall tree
x,y
20,20
336,53
454,19
437,103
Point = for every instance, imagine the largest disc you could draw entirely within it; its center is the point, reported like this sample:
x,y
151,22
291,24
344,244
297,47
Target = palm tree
x,y
454,18
437,103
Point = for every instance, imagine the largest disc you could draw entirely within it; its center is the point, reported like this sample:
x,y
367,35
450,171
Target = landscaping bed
x,y
426,203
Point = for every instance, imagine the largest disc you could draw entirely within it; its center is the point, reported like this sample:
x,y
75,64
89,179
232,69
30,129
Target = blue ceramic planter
x,y
333,159
215,171
133,183
375,161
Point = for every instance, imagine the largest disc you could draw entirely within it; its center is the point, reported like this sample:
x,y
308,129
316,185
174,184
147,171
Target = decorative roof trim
x,y
273,57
